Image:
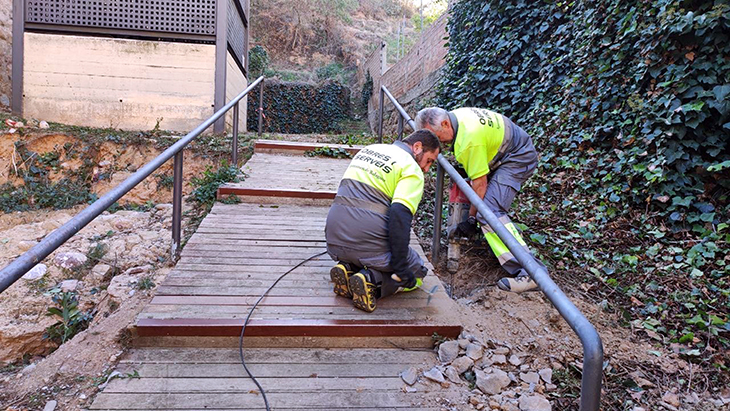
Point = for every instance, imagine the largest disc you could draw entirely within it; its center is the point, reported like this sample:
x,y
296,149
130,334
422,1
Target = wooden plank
x,y
405,300
325,401
265,192
275,356
253,261
299,147
309,327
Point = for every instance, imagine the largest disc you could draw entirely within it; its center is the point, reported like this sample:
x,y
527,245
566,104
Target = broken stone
x,y
501,350
510,406
463,342
671,399
35,273
138,270
43,124
530,377
434,374
452,374
27,370
50,406
551,387
547,375
448,351
474,351
101,270
409,376
515,360
462,364
499,359
410,389
69,285
70,260
534,402
119,286
492,383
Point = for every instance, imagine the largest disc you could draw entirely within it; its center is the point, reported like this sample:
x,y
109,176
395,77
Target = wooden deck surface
x,y
313,349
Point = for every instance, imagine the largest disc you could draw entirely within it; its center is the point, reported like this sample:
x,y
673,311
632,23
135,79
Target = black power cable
x,y
243,330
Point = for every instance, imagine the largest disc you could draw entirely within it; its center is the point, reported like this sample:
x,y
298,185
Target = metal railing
x,y
21,265
590,392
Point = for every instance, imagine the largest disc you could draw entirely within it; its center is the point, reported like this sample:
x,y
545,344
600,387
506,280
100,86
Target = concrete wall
x,y
235,83
120,83
412,79
6,39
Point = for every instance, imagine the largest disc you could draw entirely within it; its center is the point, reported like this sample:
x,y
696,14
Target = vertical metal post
x,y
16,103
177,167
400,127
261,108
235,136
380,116
437,211
221,60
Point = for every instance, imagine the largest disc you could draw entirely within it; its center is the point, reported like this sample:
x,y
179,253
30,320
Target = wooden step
x,y
297,148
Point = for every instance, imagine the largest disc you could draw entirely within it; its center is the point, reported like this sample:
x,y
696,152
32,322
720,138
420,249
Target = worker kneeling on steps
x,y
368,228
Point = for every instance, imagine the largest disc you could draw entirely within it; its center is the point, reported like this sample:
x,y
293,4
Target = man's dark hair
x,y
427,138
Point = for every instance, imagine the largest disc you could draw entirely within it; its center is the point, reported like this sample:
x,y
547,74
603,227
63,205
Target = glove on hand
x,y
467,228
405,279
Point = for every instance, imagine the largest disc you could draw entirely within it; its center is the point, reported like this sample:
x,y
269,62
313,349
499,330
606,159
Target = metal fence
x,y
21,265
590,393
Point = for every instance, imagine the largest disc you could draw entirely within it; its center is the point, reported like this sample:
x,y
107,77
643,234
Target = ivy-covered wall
x,y
300,108
635,93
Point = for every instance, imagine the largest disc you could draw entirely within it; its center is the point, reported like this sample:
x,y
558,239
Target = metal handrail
x,y
16,269
590,392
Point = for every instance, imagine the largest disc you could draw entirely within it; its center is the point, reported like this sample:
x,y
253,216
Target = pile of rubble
x,y
502,377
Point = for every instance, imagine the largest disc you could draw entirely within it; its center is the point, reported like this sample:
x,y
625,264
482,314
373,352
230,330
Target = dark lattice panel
x,y
169,16
236,33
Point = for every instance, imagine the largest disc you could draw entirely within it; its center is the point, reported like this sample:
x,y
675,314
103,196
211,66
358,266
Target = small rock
x,y
82,396
534,403
43,124
667,406
409,376
530,377
492,383
474,400
138,270
4,100
69,285
463,342
448,351
637,408
692,398
501,350
28,369
512,377
515,360
510,406
671,399
452,374
474,351
434,374
410,389
50,406
499,359
462,364
493,405
70,260
35,273
547,375
119,286
26,245
551,387
101,270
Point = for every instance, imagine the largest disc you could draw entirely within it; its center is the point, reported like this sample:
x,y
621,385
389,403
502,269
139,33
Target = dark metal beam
x,y
18,43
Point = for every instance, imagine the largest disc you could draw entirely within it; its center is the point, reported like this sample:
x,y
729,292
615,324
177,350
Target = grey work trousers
x,y
378,264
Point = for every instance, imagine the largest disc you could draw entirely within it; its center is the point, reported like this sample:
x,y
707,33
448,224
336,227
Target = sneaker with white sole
x,y
518,284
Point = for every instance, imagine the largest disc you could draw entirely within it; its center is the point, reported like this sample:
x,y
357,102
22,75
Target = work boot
x,y
340,275
363,291
518,284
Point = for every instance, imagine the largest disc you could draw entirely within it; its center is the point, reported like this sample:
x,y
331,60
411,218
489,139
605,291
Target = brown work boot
x,y
340,275
518,284
363,292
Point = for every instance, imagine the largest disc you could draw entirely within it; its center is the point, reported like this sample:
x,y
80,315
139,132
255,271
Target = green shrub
x,y
206,186
72,320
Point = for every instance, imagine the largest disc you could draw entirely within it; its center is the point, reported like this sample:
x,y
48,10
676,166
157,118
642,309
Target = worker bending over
x,y
498,157
368,227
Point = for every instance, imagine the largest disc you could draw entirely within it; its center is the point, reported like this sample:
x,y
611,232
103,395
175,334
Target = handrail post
x,y
176,203
261,108
400,127
437,213
235,136
380,116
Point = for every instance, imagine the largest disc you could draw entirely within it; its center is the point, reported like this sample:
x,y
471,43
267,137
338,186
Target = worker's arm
x,y
479,185
399,232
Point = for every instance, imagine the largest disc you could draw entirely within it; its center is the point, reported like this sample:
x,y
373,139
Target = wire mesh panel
x,y
236,33
166,16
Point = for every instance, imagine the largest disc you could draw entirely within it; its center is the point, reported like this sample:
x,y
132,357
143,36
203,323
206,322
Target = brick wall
x,y
411,80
